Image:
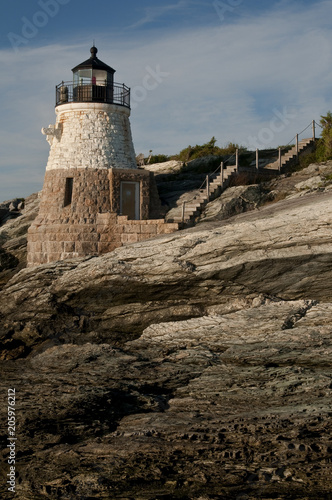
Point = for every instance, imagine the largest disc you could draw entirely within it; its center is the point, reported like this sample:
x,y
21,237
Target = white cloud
x,y
217,77
224,81
157,12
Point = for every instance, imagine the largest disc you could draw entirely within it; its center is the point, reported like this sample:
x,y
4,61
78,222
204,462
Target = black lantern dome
x,y
93,81
94,71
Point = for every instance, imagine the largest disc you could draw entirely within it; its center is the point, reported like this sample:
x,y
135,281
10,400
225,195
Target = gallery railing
x,y
117,93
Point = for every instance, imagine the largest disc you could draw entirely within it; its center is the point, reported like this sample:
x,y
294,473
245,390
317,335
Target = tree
x,y
324,150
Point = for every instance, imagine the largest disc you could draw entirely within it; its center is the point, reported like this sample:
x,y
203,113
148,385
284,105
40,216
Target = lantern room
x,y
93,72
93,81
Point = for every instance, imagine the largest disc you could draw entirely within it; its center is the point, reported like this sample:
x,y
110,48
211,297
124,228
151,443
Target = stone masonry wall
x,y
95,191
90,135
115,231
52,242
89,225
91,195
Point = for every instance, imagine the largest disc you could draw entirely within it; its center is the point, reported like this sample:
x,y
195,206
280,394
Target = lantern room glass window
x,y
92,76
83,76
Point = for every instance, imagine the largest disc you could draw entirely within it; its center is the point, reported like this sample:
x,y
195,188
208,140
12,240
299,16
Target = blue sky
x,y
246,71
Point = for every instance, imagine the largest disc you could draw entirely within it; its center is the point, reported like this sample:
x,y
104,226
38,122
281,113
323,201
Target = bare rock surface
x,y
283,250
226,406
13,235
196,365
240,199
167,167
236,200
317,177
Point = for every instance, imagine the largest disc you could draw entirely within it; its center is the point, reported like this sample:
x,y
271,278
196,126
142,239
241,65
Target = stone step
x,y
291,154
175,219
188,208
195,205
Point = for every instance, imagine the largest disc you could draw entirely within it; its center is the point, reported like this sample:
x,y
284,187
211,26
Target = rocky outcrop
x,y
224,406
10,209
281,250
317,177
195,365
236,200
239,199
167,167
17,218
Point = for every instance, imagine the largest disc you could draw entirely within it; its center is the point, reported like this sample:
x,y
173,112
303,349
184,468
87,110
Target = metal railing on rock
x,y
280,152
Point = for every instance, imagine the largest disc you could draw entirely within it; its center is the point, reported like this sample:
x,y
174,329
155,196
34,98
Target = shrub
x,y
193,152
306,160
159,158
207,149
324,147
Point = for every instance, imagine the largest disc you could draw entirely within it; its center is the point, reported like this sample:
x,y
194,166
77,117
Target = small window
x,y
68,191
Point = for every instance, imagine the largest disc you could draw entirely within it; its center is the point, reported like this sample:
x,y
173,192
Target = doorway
x,y
130,200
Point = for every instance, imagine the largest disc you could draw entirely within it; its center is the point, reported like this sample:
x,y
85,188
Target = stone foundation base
x,y
80,211
54,242
91,183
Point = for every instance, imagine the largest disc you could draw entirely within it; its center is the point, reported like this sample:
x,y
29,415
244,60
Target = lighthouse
x,y
94,197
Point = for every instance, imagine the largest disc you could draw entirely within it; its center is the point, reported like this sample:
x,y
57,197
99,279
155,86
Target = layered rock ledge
x,y
196,365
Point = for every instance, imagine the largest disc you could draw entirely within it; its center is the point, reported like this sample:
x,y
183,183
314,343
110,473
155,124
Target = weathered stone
x,y
270,251
233,201
13,207
47,235
312,183
219,406
168,167
79,124
194,365
13,239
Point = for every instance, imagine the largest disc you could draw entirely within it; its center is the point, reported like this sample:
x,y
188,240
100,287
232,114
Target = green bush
x,y
193,152
306,160
324,146
207,149
159,158
231,148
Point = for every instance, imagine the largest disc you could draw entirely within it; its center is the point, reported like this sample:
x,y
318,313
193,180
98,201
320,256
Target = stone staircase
x,y
305,145
187,209
191,204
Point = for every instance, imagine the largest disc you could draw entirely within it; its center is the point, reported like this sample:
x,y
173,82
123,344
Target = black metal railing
x,y
116,93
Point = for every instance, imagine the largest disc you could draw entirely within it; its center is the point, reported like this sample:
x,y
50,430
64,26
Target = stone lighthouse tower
x,y
94,197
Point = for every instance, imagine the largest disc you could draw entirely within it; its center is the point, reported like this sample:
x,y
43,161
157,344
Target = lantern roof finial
x,y
93,51
94,63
